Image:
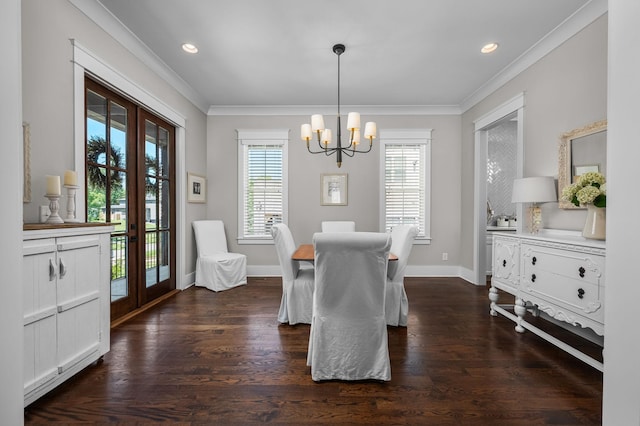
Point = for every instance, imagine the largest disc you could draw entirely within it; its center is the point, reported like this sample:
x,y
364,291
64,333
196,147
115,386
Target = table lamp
x,y
534,190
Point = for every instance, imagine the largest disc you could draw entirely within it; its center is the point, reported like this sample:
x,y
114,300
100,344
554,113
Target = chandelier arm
x,y
362,151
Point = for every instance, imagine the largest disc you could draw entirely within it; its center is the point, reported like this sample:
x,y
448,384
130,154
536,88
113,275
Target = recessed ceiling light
x,y
188,47
489,47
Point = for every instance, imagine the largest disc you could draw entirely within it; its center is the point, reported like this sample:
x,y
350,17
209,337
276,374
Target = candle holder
x,y
54,206
71,203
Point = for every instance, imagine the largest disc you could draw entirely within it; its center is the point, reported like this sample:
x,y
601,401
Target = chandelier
x,y
324,135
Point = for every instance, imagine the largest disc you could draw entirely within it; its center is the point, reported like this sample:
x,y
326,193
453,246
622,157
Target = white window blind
x,y
406,182
262,195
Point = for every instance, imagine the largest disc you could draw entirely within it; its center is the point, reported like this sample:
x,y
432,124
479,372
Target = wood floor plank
x,y
203,358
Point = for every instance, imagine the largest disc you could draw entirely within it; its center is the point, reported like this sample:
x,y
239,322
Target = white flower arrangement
x,y
590,188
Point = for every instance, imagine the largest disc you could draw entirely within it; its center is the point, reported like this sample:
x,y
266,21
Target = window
x,y
405,159
262,184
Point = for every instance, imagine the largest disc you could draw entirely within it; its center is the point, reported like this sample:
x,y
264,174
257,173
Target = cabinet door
x,y
78,297
39,272
506,263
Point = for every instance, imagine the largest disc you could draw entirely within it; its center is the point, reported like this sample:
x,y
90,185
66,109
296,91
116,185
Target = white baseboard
x,y
412,271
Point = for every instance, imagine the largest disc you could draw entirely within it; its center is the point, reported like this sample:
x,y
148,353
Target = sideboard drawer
x,y
575,296
582,267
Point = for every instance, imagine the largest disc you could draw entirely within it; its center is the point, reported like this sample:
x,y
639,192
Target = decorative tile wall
x,y
501,168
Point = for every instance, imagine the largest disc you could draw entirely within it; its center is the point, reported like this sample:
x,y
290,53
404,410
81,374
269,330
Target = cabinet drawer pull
x,y
534,260
580,293
504,263
581,271
533,278
52,270
63,268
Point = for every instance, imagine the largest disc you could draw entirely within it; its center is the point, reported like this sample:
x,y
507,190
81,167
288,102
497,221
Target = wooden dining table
x,y
305,252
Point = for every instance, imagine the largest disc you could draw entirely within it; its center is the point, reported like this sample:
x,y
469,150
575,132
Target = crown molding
x,y
103,18
331,109
584,16
563,32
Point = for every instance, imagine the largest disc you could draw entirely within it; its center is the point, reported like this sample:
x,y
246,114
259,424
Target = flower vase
x,y
595,227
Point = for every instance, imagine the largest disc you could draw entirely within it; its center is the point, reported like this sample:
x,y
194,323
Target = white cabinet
x,y
562,275
66,302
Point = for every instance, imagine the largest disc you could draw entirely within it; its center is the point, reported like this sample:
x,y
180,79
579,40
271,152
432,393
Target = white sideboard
x,y
560,274
66,302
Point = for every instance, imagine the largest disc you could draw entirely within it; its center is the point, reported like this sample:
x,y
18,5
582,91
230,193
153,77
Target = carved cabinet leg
x,y
493,297
520,310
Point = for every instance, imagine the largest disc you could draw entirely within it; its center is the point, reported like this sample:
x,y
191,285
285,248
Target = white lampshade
x,y
305,131
326,136
353,121
356,137
370,130
317,122
539,189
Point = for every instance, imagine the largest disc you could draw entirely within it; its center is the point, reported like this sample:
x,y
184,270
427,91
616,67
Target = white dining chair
x,y
216,268
397,303
297,282
338,226
348,338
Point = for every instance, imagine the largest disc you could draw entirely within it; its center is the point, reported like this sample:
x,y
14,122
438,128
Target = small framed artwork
x,y
333,189
196,188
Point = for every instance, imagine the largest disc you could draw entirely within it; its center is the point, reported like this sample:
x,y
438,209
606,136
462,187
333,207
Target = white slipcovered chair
x,y
397,303
216,268
338,226
297,283
348,338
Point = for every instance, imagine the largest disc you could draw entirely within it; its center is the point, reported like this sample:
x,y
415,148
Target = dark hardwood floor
x,y
204,358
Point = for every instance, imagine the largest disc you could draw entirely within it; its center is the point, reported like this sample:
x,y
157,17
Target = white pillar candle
x,y
53,185
370,130
317,122
70,178
305,131
353,121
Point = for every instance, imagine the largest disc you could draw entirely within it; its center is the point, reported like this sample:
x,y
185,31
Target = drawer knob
x,y
581,271
504,263
534,260
533,278
580,293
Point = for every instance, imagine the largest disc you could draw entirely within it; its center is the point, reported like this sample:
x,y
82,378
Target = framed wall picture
x,y
196,188
333,189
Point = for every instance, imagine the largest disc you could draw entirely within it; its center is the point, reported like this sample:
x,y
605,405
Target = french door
x,y
130,183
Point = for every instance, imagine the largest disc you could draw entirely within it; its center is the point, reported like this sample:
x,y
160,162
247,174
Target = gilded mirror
x,y
581,150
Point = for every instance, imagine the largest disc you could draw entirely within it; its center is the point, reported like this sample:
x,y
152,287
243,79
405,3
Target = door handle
x,y
133,239
63,268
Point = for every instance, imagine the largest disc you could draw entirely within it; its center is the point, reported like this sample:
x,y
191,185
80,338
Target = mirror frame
x,y
564,158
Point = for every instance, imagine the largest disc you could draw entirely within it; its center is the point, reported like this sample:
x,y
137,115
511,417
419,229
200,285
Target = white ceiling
x,y
400,53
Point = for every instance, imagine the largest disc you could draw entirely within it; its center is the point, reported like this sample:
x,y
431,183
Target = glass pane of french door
x,y
107,192
130,184
158,195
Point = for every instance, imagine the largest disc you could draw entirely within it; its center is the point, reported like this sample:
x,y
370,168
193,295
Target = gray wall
x,y
565,90
305,211
48,98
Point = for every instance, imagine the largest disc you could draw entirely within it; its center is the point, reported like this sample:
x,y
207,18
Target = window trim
x,y
262,137
403,137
